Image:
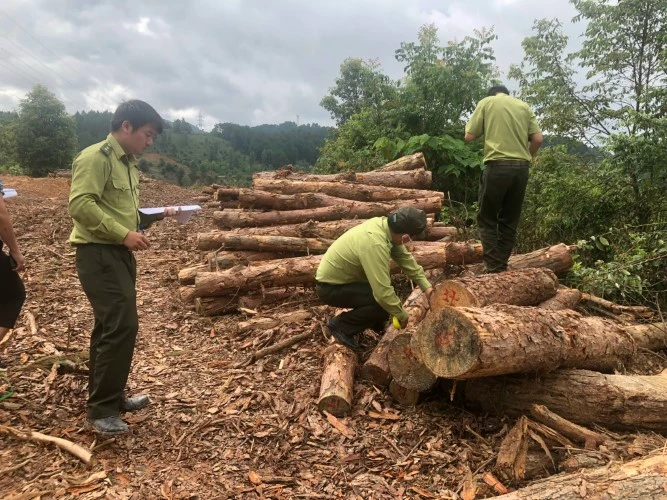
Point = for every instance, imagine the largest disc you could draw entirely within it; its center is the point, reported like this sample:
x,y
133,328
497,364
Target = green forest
x,y
599,181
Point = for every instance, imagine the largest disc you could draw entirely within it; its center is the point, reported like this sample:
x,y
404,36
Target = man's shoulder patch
x,y
106,149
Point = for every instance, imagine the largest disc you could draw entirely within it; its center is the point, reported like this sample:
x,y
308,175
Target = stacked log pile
x,y
273,237
512,344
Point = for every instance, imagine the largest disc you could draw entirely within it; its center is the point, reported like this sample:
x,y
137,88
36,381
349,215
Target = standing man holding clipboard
x,y
108,228
12,291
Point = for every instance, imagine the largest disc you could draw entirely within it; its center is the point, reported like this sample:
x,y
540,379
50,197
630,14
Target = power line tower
x,y
200,122
297,120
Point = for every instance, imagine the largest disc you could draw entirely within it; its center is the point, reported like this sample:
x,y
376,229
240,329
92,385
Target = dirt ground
x,y
215,429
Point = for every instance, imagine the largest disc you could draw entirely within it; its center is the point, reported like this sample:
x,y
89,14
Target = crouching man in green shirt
x,y
354,273
104,205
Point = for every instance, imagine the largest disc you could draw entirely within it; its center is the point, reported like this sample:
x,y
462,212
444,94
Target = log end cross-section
x,y
448,342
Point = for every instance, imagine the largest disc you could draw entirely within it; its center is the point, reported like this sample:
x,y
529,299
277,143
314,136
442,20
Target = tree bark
x,y
376,367
565,298
337,384
636,480
522,287
408,162
501,339
329,230
358,210
344,190
412,179
652,336
584,397
301,270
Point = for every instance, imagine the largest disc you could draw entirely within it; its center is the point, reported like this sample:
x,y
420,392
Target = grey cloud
x,y
247,62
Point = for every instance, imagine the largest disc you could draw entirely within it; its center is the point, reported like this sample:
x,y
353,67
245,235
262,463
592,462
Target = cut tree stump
x,y
337,385
302,270
407,179
565,298
341,190
358,210
521,287
581,396
501,339
636,480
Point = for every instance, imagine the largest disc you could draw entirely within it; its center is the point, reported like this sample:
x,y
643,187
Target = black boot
x,y
135,403
107,426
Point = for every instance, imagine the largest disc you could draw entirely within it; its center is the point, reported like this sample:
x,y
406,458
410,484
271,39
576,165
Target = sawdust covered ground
x,y
215,429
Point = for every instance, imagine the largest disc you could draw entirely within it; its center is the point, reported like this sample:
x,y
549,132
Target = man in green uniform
x,y
104,205
511,139
354,273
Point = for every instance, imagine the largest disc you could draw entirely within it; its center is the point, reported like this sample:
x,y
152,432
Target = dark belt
x,y
507,163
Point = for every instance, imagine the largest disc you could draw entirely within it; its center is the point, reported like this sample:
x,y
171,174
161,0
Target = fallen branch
x,y
569,429
639,311
279,346
72,448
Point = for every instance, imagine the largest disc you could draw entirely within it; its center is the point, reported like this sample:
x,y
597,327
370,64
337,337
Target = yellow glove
x,y
396,323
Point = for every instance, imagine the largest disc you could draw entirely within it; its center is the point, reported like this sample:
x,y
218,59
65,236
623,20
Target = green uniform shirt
x,y
104,197
362,254
506,123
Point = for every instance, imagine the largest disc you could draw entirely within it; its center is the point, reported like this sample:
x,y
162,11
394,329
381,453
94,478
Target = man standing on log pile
x,y
511,139
354,273
104,205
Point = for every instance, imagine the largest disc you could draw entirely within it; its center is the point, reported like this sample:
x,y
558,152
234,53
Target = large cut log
x,y
337,380
636,480
376,367
275,244
186,276
651,336
581,396
408,162
344,190
406,365
225,259
357,210
565,298
462,342
558,258
301,270
521,287
329,230
409,179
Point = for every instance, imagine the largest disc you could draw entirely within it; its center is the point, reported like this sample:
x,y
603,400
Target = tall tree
x,y
45,133
361,86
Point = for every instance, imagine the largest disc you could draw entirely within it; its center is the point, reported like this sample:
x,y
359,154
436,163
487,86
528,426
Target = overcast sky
x,y
242,61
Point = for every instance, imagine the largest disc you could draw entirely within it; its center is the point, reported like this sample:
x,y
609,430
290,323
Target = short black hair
x,y
138,113
497,89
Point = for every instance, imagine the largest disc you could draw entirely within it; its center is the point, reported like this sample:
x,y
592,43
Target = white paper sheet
x,y
9,193
184,216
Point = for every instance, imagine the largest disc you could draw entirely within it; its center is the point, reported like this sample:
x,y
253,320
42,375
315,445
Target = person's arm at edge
x,y
8,236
